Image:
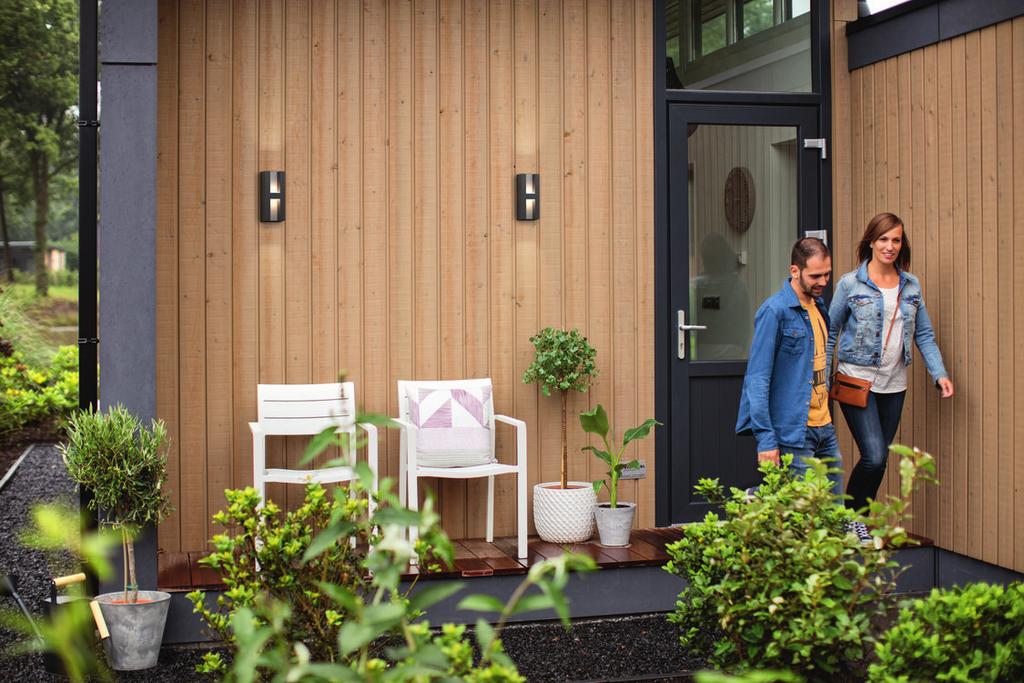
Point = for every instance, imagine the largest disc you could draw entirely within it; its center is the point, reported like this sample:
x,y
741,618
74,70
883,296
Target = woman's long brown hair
x,y
878,226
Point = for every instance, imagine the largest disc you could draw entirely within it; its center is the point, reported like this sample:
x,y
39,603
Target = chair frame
x,y
410,472
305,410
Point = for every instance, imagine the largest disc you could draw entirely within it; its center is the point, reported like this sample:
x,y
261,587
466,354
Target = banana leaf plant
x,y
596,422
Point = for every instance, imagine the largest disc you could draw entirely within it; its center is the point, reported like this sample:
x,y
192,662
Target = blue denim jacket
x,y
776,393
856,314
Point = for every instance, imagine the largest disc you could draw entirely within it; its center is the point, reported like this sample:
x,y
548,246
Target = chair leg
x,y
490,509
521,488
414,505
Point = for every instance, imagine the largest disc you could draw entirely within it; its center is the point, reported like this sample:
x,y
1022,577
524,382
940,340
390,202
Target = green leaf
x,y
639,432
396,515
384,615
481,603
327,538
354,635
433,594
595,421
603,456
597,484
339,595
484,635
318,444
532,603
333,672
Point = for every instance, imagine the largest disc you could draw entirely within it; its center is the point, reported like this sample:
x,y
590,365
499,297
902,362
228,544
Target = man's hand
x,y
771,456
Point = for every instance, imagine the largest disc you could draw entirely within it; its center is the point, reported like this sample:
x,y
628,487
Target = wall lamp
x,y
271,196
527,196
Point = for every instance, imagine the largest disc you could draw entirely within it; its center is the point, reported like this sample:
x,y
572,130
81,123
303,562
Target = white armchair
x,y
448,430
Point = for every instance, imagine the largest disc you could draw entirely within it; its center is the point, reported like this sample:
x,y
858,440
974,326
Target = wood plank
x,y
192,273
348,91
623,349
990,359
549,232
1018,286
502,232
643,223
297,280
1005,369
169,532
574,222
173,571
508,545
599,218
219,259
497,560
975,291
399,166
271,236
244,235
476,163
950,63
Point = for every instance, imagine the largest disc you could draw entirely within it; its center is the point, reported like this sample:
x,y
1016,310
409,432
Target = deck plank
x,y
173,572
203,576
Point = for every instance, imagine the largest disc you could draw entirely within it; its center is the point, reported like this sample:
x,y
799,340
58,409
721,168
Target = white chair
x,y
307,409
456,441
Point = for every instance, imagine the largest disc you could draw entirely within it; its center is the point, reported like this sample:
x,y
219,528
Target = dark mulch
x,y
13,444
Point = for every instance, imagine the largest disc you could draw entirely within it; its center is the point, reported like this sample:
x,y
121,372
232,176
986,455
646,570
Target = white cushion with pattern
x,y
454,425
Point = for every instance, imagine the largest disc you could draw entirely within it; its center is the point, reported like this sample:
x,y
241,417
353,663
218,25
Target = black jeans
x,y
874,427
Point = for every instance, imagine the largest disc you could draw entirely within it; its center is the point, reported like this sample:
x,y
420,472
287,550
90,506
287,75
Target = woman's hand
x,y
945,387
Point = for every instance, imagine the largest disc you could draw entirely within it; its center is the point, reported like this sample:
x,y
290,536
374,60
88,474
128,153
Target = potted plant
x,y
124,465
614,518
563,511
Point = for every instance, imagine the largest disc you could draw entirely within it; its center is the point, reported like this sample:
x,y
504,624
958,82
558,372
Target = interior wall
x,y
930,135
400,126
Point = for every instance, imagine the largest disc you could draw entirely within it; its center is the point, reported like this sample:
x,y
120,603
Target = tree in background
x,y
38,81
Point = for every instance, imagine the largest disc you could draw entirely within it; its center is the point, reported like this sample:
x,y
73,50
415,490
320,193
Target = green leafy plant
x,y
596,422
563,362
33,394
779,583
124,464
969,633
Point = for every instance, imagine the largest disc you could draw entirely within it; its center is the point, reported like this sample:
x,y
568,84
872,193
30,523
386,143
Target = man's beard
x,y
809,290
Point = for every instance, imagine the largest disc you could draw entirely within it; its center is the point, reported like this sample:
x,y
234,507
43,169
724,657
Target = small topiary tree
x,y
124,465
564,362
970,633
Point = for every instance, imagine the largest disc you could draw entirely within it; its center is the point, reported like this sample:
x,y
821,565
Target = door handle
x,y
682,330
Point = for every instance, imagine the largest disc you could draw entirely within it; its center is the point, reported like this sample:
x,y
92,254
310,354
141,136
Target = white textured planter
x,y
614,524
136,629
564,515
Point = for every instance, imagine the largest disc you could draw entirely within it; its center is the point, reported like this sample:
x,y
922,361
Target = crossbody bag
x,y
853,391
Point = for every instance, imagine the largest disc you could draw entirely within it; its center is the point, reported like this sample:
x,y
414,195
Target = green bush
x,y
20,331
972,633
780,583
31,394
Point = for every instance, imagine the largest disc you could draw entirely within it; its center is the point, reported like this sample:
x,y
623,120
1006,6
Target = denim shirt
x,y
776,394
856,314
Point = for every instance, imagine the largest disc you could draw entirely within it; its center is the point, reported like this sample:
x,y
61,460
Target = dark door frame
x,y
664,322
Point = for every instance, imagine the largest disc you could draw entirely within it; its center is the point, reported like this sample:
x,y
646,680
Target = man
x,y
784,403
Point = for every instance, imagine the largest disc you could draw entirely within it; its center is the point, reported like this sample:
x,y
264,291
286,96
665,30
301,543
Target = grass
x,y
59,309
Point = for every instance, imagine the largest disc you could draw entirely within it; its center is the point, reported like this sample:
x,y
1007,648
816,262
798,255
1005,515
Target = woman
x,y
875,338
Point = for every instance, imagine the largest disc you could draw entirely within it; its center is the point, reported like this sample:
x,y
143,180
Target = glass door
x,y
742,188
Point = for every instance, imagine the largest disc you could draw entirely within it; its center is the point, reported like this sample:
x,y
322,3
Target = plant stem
x,y
565,446
131,570
124,560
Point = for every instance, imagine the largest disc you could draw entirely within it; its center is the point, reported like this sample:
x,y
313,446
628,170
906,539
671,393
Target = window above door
x,y
738,45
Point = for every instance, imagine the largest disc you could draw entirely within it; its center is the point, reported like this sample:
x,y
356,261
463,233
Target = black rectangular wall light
x,y
271,196
527,196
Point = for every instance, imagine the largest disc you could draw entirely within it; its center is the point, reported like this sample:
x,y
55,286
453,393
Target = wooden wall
x,y
400,126
934,135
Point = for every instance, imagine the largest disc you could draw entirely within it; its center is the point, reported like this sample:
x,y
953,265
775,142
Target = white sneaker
x,y
860,530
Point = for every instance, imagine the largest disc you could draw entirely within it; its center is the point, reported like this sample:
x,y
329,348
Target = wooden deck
x,y
473,558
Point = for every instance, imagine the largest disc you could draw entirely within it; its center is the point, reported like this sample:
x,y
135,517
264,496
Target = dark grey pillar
x,y
127,226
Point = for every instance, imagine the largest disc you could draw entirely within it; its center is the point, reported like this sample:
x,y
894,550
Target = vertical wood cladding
x,y
401,125
930,136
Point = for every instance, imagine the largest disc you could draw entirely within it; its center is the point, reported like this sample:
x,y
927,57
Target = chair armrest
x,y
404,424
520,437
257,429
370,429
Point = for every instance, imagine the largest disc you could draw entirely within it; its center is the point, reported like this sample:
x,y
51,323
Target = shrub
x,y
32,394
972,633
20,331
779,583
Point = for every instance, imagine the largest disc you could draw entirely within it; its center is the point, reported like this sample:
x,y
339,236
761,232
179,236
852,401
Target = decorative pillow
x,y
454,425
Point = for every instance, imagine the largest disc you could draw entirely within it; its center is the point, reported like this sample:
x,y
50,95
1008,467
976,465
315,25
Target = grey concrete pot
x,y
136,629
614,524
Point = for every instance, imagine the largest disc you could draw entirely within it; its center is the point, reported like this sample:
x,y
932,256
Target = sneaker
x,y
751,492
860,530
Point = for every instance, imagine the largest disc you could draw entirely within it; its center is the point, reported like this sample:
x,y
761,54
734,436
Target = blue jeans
x,y
821,443
873,427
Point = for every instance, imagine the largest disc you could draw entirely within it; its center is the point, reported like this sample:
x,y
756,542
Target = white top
x,y
891,377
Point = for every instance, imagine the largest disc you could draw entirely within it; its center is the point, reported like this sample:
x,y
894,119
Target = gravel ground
x,y
642,647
